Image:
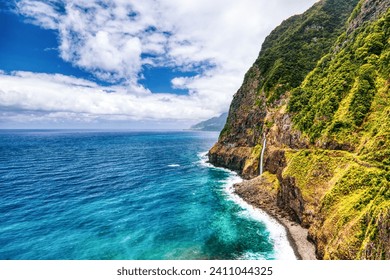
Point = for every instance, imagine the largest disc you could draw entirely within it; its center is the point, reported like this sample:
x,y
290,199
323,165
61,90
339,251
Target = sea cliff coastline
x,y
287,235
317,98
251,192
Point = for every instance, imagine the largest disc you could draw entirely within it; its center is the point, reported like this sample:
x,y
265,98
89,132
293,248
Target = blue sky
x,y
27,47
35,49
128,64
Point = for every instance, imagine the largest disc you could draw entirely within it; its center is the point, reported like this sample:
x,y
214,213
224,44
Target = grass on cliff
x,y
344,97
351,201
315,172
357,211
345,100
314,169
375,143
291,51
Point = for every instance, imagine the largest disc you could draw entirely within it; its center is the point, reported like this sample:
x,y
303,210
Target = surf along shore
x,y
259,193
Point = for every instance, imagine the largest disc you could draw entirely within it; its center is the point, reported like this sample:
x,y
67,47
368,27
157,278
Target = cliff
x,y
319,94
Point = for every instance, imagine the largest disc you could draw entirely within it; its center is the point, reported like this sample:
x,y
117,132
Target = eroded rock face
x,y
370,10
245,112
242,130
275,162
290,199
281,133
229,157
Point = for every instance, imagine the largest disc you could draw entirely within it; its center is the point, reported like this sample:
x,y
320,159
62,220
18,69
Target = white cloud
x,y
109,39
43,14
28,92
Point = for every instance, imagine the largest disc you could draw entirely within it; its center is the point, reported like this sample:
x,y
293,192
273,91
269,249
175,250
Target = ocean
x,y
100,195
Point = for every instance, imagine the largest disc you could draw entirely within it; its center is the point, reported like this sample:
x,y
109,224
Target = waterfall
x,y
262,155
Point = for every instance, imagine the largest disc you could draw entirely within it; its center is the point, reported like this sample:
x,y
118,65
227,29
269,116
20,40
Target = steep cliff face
x,y
242,130
344,104
286,57
319,94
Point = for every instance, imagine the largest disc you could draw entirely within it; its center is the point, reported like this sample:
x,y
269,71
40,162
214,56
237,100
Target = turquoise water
x,y
124,195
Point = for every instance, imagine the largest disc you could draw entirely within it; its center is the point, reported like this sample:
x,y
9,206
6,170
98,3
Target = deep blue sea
x,y
125,195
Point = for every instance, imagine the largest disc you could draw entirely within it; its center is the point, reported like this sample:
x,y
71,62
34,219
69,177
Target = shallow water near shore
x,y
125,195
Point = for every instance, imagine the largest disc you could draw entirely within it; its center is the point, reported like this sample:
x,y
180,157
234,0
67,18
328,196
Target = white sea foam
x,y
174,165
278,234
252,256
203,160
283,250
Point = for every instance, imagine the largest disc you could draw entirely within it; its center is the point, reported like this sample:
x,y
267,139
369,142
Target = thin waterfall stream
x,y
262,155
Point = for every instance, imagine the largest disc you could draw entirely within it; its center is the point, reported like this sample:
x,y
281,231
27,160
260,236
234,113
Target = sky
x,y
150,64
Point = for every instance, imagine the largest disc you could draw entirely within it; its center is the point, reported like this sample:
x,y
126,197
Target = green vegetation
x,y
315,172
328,72
375,143
345,101
356,11
358,209
272,184
226,129
291,51
313,169
351,199
336,98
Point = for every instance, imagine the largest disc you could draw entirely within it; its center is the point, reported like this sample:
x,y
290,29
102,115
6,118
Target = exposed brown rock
x,y
370,10
229,157
262,192
281,133
243,128
245,112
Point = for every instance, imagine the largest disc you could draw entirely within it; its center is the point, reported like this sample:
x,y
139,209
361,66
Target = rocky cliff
x,y
319,94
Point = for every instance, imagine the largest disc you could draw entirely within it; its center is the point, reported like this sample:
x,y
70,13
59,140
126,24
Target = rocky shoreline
x,y
259,193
